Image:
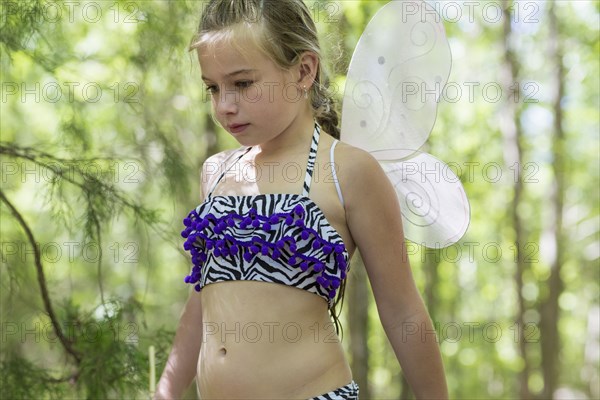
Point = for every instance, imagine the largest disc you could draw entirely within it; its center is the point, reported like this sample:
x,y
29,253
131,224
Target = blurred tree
x,y
512,131
549,309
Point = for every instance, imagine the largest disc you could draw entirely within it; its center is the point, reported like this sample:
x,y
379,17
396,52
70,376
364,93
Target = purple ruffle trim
x,y
204,235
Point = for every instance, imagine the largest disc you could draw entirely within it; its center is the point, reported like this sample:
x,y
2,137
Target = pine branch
x,y
90,181
96,224
66,343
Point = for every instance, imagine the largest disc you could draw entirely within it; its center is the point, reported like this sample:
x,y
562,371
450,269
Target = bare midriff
x,y
267,341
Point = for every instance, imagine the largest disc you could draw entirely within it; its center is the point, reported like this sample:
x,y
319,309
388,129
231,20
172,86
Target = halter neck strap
x,y
312,156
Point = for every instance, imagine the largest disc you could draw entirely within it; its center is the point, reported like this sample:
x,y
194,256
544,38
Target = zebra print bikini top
x,y
280,238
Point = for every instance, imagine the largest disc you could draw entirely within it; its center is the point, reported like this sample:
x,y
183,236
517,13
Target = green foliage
x,y
115,366
21,379
112,344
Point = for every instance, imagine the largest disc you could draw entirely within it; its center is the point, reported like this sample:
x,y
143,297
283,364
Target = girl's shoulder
x,y
354,161
360,175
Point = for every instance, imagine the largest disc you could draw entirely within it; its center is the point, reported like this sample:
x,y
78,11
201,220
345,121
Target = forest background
x,y
105,124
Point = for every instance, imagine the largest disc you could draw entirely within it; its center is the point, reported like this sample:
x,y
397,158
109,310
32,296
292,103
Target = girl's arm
x,y
180,369
375,222
181,365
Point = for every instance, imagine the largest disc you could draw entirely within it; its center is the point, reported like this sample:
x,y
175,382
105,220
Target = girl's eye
x,y
243,84
212,89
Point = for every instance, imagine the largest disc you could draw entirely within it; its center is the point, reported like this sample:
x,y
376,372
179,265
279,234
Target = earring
x,y
305,92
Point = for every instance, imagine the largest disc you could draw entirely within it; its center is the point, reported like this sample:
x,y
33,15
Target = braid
x,y
324,104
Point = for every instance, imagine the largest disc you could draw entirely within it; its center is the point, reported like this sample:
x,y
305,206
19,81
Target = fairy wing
x,y
435,209
398,69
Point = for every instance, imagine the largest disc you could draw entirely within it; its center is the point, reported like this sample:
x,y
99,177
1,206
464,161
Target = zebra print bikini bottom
x,y
347,392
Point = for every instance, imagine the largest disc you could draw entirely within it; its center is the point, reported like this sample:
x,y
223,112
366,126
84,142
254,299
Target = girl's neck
x,y
295,138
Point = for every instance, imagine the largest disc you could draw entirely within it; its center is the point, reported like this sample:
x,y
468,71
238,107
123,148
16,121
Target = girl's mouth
x,y
237,128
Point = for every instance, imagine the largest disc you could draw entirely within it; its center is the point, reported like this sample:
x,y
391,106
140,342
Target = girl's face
x,y
251,97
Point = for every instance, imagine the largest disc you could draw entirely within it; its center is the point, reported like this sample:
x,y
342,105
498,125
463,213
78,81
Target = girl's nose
x,y
227,103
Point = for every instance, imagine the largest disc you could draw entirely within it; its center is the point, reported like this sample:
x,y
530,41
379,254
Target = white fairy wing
x,y
435,209
395,78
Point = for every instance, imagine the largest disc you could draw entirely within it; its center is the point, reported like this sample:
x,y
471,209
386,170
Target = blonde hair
x,y
282,30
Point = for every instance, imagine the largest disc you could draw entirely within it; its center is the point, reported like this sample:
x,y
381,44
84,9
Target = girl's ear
x,y
308,66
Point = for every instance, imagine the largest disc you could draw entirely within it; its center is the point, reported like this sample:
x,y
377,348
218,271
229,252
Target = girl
x,y
280,219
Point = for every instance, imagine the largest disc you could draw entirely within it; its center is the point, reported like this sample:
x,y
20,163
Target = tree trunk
x,y
549,310
513,155
357,295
